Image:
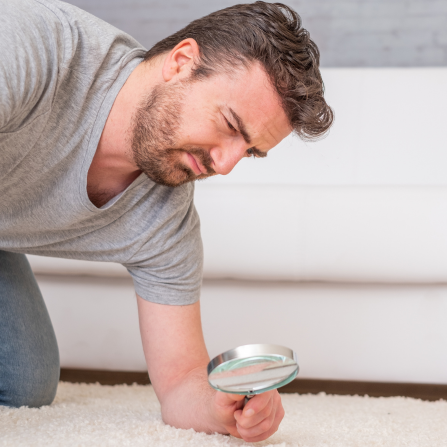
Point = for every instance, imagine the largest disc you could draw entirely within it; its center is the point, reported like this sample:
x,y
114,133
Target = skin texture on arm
x,y
177,358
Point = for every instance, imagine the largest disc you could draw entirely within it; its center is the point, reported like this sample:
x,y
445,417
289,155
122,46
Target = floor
x,y
123,415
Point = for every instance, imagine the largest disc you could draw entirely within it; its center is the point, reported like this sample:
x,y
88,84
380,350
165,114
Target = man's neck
x,y
113,168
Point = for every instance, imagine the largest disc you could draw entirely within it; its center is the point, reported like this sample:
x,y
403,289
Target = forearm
x,y
189,404
177,358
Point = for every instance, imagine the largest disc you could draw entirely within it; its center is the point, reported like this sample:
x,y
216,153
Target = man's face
x,y
186,131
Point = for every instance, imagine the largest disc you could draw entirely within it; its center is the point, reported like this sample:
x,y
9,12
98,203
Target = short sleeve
x,y
30,49
168,267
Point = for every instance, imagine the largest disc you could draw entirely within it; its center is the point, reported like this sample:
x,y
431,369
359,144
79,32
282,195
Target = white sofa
x,y
337,249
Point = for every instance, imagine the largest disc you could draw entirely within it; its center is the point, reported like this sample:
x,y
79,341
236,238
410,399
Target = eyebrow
x,y
243,130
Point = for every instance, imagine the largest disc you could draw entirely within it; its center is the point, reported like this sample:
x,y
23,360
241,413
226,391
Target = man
x,y
100,142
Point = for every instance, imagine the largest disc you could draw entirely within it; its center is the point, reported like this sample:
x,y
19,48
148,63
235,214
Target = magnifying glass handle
x,y
247,398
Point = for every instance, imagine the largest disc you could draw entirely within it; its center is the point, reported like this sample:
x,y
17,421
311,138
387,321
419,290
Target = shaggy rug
x,y
95,415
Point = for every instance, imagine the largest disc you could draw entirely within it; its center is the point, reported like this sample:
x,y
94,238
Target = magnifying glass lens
x,y
253,375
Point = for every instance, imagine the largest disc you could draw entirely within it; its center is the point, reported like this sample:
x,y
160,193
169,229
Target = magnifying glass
x,y
252,369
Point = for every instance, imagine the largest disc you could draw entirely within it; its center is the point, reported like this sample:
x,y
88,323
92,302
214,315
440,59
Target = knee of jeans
x,y
34,387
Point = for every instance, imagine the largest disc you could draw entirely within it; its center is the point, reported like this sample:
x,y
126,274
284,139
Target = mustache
x,y
203,156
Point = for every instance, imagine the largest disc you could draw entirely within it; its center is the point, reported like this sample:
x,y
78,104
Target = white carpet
x,y
95,415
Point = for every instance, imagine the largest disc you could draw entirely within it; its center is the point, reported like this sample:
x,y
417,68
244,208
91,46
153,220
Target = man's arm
x,y
177,358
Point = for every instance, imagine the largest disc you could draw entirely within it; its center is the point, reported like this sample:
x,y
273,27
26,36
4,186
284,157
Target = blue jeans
x,y
29,356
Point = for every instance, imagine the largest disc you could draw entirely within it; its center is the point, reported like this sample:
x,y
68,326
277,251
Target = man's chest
x,y
103,185
99,197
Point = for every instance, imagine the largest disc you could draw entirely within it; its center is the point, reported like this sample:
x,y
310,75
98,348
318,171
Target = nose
x,y
227,157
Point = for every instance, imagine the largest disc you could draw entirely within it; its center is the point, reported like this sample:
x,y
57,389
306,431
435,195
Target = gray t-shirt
x,y
60,72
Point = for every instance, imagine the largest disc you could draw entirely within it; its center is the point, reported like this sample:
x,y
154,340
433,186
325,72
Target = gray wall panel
x,y
356,33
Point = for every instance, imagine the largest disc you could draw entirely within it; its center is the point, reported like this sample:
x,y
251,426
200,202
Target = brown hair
x,y
270,33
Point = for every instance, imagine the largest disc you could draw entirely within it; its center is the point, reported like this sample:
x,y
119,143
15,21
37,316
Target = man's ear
x,y
180,60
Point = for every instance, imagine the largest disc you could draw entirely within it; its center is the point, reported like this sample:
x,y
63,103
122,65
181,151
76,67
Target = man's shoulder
x,y
31,49
65,26
29,16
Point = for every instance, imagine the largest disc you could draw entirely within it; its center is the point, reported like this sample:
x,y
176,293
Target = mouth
x,y
195,165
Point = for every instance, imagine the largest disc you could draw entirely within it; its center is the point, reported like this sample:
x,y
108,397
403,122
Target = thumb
x,y
228,399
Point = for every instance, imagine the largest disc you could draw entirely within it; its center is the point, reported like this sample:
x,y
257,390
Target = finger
x,y
227,399
257,409
258,430
266,428
257,403
224,407
246,419
232,430
227,404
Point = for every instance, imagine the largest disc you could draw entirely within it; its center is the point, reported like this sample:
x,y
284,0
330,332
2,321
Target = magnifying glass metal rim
x,y
247,351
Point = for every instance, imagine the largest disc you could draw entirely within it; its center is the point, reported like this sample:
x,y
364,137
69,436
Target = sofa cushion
x,y
285,232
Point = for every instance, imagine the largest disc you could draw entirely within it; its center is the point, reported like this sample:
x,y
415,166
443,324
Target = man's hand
x,y
176,357
259,419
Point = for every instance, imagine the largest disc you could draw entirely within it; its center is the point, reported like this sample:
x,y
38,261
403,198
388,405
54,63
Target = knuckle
x,y
240,429
265,425
265,412
280,409
243,424
277,397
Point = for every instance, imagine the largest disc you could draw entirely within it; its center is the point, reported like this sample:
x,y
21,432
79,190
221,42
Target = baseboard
x,y
303,386
422,391
104,377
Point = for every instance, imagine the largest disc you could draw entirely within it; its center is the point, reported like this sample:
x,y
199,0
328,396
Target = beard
x,y
156,128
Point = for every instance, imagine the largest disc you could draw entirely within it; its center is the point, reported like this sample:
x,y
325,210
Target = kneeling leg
x,y
29,356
